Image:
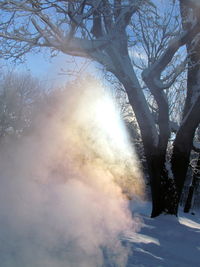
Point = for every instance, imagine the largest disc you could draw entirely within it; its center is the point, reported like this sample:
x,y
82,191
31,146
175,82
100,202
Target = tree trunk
x,y
154,150
192,187
155,154
182,148
188,203
155,163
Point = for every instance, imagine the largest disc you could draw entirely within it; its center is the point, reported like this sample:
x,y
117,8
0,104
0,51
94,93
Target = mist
x,y
64,186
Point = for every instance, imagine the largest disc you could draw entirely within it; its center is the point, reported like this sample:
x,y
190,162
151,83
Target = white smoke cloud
x,y
60,199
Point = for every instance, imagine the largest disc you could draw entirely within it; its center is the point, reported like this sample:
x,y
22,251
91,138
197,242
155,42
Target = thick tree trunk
x,y
155,159
162,187
155,153
154,149
155,166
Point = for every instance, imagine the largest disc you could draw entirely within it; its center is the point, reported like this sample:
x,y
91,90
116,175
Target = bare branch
x,y
172,76
167,56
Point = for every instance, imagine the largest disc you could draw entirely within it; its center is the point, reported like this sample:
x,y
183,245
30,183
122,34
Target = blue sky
x,y
45,68
52,70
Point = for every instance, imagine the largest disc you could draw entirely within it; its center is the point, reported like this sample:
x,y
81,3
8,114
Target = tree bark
x,y
192,187
155,154
182,147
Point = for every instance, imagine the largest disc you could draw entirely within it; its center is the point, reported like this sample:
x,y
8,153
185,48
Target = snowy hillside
x,y
166,241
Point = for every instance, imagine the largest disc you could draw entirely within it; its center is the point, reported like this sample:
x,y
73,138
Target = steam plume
x,y
61,187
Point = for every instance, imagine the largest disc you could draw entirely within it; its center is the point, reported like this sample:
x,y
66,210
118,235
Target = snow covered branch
x,y
155,70
176,72
196,147
174,126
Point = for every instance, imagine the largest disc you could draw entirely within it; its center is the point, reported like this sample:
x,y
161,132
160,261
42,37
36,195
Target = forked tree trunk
x,y
155,159
162,189
166,194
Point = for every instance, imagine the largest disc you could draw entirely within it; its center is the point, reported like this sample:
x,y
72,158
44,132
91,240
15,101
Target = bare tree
x,y
100,30
19,94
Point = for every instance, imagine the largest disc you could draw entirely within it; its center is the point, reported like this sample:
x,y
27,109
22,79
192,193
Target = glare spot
x,y
189,223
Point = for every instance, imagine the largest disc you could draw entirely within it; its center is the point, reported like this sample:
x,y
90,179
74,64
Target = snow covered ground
x,y
165,241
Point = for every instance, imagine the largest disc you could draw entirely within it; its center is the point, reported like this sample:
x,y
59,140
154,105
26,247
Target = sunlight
x,y
148,253
100,140
141,238
189,223
109,120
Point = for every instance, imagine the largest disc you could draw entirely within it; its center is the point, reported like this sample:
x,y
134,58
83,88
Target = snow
x,y
196,145
165,241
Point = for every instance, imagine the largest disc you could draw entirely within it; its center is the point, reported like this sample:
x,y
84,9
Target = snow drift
x,y
61,187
